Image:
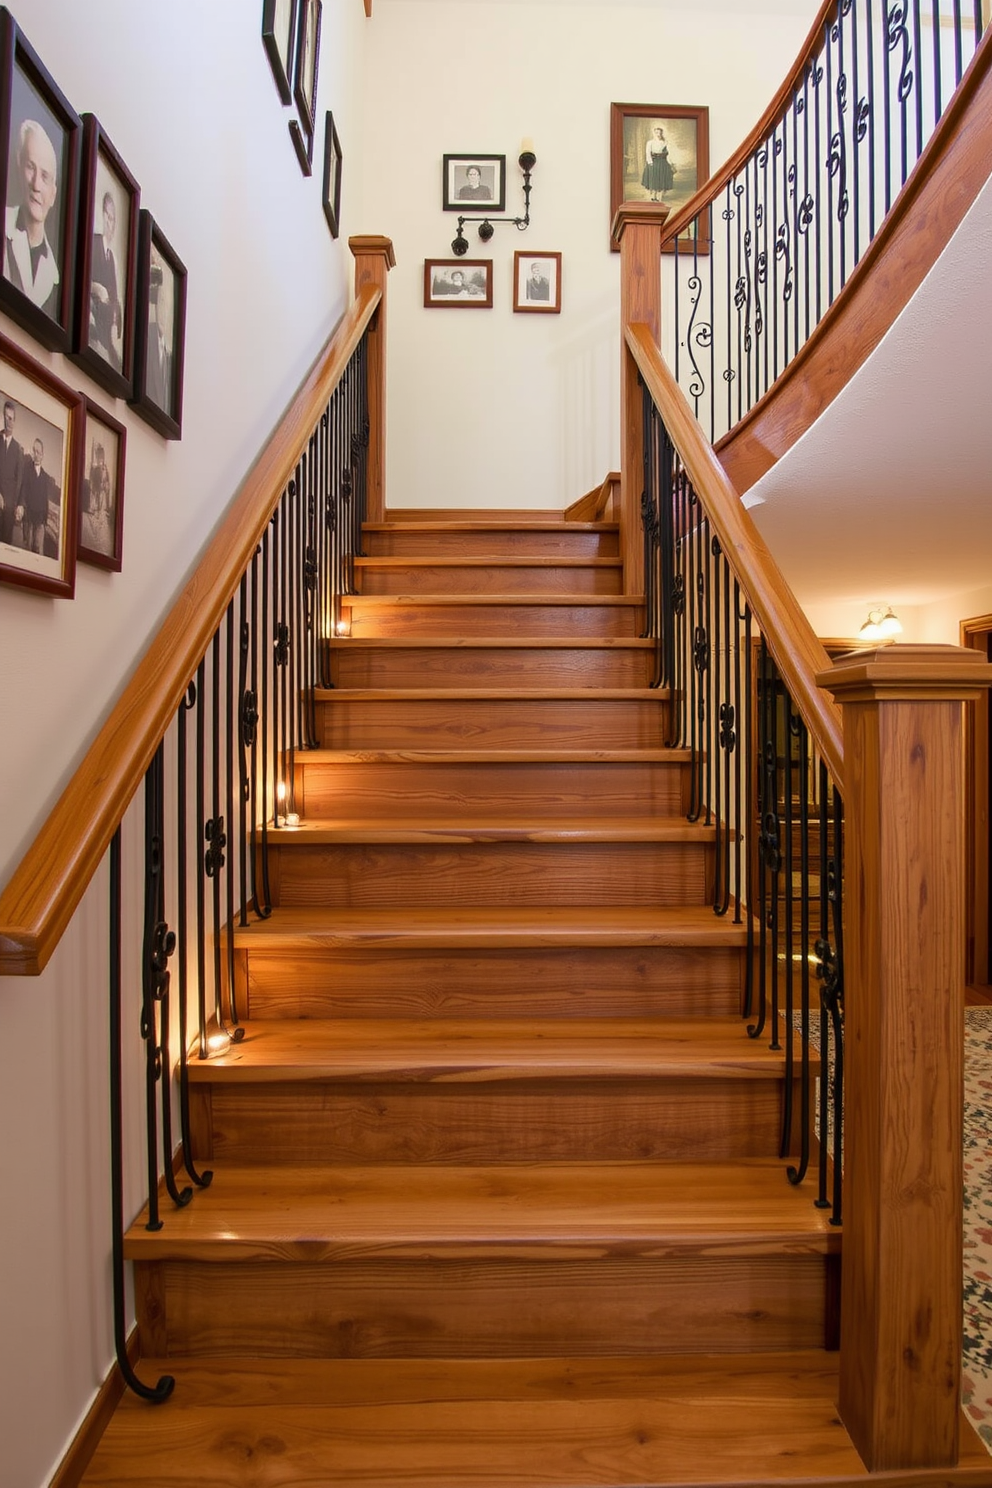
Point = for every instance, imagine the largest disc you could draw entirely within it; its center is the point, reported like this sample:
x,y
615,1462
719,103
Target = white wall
x,y
185,93
488,408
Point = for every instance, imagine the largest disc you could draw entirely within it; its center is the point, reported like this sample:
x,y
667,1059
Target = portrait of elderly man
x,y
29,260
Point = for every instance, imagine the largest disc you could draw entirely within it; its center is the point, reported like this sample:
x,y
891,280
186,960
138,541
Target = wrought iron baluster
x,y
262,899
201,816
182,937
231,709
792,725
797,1173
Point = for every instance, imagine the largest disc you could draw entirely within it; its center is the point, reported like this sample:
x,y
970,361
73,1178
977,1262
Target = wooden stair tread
x,y
453,928
491,694
490,525
487,756
469,1423
510,560
467,828
458,1050
494,643
568,1210
582,601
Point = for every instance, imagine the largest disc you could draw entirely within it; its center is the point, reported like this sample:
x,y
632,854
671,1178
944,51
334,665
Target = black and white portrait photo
x,y
161,311
458,283
474,183
108,263
537,282
40,196
101,493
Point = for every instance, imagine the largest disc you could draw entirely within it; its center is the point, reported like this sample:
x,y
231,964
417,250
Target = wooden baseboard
x,y
70,1471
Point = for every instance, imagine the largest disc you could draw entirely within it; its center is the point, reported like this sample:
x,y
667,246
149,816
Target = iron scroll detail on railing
x,y
755,270
222,781
756,779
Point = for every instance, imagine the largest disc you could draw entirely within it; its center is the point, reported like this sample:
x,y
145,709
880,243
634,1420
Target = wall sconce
x,y
526,160
881,625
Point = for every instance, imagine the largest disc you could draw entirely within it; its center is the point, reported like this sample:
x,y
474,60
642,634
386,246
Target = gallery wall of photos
x,y
88,272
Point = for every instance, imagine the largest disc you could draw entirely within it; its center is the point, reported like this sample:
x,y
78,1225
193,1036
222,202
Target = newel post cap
x,y
375,246
901,672
642,214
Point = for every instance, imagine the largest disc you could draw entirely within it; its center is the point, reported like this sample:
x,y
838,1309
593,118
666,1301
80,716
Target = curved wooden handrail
x,y
711,188
46,888
939,191
797,652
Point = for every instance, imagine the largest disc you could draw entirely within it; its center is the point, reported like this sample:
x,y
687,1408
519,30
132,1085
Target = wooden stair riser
x,y
680,1120
371,618
466,723
490,577
424,540
483,874
493,1308
394,790
366,665
588,981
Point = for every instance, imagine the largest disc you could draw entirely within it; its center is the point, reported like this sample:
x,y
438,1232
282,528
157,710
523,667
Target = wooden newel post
x,y
900,1365
374,258
637,228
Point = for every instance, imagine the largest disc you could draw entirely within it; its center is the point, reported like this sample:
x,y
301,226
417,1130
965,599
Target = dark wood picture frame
x,y
540,295
332,175
103,302
279,20
40,298
686,137
101,496
45,411
455,182
305,76
474,292
158,377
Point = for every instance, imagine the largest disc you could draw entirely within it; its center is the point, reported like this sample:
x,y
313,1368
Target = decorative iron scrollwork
x,y
249,717
783,251
728,731
678,595
213,857
281,650
700,648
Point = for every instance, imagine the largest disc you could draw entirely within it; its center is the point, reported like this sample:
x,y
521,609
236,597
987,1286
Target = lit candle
x,y
527,146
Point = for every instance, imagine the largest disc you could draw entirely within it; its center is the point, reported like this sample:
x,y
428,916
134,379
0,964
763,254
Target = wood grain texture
x,y
374,258
488,576
581,662
479,540
904,847
797,652
638,229
951,171
466,616
45,889
458,719
565,982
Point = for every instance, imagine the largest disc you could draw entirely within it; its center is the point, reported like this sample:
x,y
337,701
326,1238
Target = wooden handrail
x,y
40,899
797,652
710,189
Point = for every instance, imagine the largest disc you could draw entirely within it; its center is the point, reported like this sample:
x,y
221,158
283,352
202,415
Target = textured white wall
x,y
185,93
488,408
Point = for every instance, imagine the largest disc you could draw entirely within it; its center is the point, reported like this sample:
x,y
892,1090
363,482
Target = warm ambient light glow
x,y
881,625
343,627
281,792
218,1042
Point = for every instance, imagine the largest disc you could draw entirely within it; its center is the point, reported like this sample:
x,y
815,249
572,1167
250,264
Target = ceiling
x,y
890,493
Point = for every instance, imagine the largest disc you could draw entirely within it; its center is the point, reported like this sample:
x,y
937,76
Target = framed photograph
x,y
40,143
537,283
279,38
332,175
161,331
658,152
101,489
40,457
458,283
108,264
474,183
305,81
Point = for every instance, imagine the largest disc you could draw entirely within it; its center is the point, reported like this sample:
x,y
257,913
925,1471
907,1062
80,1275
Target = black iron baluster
x,y
260,809
825,973
938,107
958,37
201,816
872,110
231,709
215,838
918,47
247,732
792,725
797,1173
182,938
166,1384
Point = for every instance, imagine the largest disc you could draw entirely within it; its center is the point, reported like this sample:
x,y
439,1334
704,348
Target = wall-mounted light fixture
x,y
882,624
527,161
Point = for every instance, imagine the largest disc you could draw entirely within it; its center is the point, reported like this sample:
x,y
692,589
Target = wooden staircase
x,y
496,1194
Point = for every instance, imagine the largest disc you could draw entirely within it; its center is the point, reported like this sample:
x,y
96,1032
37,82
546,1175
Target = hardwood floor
x,y
497,1194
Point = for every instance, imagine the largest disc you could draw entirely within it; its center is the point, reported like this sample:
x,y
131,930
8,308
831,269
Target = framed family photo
x,y
332,175
40,453
658,153
537,283
108,262
305,67
458,283
279,39
161,331
473,183
101,489
40,143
